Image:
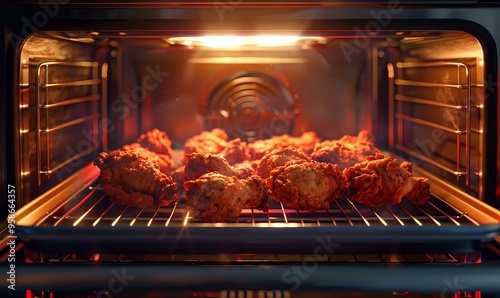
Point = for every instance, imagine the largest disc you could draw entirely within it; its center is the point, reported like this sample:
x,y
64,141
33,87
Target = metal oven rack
x,y
65,101
78,217
166,248
96,210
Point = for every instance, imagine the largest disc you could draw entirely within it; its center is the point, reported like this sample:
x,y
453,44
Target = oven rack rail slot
x,y
416,99
48,82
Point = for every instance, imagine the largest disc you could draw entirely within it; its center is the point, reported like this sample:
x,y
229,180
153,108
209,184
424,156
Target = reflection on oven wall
x,y
312,89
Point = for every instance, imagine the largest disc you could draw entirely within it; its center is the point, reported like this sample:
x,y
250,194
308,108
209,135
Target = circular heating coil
x,y
252,106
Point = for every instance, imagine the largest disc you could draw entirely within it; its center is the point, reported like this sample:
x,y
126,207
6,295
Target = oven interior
x,y
420,92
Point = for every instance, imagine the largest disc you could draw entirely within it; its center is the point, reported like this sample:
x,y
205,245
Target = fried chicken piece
x,y
156,141
216,197
179,176
408,166
156,146
248,164
346,151
130,178
258,148
216,142
163,161
305,142
278,157
213,141
198,164
306,185
235,151
380,180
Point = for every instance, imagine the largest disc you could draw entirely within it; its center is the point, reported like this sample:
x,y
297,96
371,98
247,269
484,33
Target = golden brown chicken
x,y
216,142
198,164
216,197
380,180
179,177
306,185
278,157
132,179
346,151
408,166
156,146
305,142
235,152
163,161
213,141
156,141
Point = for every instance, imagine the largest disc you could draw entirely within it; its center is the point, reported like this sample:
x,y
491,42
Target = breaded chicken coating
x,y
346,151
278,157
130,178
217,197
306,185
380,180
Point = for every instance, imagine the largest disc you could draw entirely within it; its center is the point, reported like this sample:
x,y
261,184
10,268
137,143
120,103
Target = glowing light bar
x,y
224,42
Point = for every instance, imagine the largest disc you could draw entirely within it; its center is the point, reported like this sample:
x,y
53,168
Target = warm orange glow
x,y
225,42
253,60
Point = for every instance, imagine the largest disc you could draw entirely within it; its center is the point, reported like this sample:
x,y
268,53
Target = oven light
x,y
271,41
246,59
412,38
224,42
220,42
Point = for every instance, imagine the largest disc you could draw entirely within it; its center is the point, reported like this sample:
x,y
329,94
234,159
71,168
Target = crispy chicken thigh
x,y
213,141
163,161
216,142
306,185
216,197
179,177
278,157
156,146
198,164
156,141
346,151
305,142
380,180
235,152
130,178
